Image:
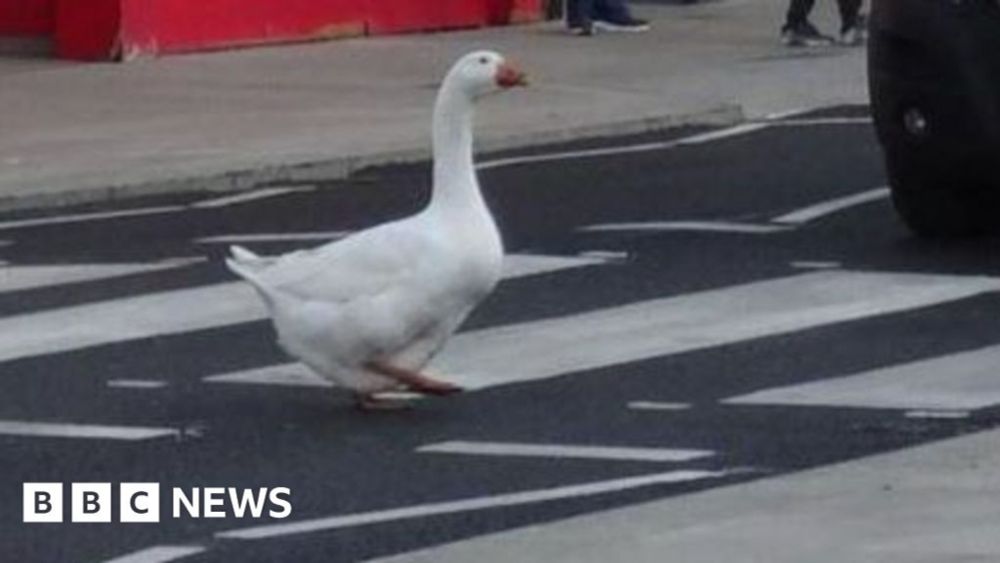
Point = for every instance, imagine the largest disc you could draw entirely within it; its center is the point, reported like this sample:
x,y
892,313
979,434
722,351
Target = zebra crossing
x,y
632,385
543,348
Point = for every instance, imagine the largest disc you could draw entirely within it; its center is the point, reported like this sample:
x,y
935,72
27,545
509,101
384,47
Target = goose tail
x,y
245,264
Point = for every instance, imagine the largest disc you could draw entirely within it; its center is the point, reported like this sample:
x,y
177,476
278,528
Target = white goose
x,y
370,311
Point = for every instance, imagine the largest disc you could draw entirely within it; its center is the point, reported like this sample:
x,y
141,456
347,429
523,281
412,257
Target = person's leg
x,y
798,13
579,13
849,12
853,28
614,15
610,10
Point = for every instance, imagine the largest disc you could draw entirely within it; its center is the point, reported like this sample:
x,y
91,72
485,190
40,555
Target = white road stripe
x,y
658,406
502,449
159,554
813,122
965,381
938,415
136,383
525,265
246,197
273,237
626,149
661,327
467,505
815,265
173,312
85,217
17,278
696,226
88,431
721,134
813,212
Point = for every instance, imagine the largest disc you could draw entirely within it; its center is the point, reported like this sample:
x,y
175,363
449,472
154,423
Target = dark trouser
x,y
582,12
798,12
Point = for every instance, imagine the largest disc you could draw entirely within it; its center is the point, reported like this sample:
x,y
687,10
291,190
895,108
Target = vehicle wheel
x,y
936,207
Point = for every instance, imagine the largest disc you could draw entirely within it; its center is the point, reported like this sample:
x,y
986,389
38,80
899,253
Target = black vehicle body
x,y
934,77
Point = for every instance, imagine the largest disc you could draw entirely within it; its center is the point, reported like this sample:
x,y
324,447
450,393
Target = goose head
x,y
484,72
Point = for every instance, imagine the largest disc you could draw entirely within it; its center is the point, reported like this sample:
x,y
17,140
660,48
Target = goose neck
x,y
454,173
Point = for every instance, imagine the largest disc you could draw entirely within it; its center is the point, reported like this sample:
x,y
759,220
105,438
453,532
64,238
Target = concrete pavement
x,y
933,504
74,132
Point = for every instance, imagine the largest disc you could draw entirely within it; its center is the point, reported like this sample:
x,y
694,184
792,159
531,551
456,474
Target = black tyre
x,y
938,205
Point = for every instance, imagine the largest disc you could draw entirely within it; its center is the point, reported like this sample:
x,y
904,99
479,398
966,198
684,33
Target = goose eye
x,y
483,60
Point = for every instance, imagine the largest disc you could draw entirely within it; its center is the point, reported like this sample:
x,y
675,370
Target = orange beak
x,y
509,76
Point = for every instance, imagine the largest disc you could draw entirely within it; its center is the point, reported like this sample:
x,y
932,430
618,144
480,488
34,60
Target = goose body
x,y
368,312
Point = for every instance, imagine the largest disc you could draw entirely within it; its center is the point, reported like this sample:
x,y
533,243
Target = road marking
x,y
722,134
701,138
819,121
246,197
468,505
85,217
525,265
938,415
958,382
813,212
177,311
696,226
607,255
648,329
658,406
159,554
136,383
273,237
814,265
501,449
17,278
89,431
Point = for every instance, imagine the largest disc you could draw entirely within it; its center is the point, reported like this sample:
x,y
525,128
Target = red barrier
x,y
123,29
27,17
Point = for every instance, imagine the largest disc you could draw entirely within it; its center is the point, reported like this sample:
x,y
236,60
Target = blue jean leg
x,y
582,12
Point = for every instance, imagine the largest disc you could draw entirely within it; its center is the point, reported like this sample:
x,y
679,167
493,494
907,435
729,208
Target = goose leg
x,y
416,381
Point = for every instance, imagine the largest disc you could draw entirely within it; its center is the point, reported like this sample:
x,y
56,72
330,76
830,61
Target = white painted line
x,y
958,382
18,278
695,226
159,554
246,197
273,237
658,406
174,312
525,265
938,415
660,455
283,375
468,505
626,149
814,265
606,255
819,121
85,431
85,217
712,136
813,212
661,327
136,383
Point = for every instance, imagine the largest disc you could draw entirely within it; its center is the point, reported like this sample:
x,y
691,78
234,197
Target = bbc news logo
x,y
140,502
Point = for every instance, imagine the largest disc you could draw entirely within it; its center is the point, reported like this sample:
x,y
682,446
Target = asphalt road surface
x,y
680,312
